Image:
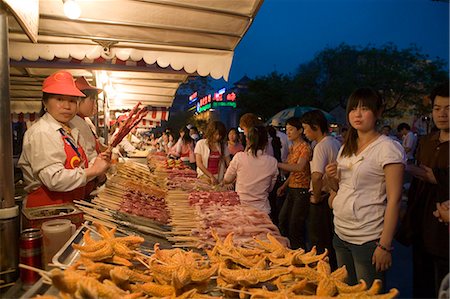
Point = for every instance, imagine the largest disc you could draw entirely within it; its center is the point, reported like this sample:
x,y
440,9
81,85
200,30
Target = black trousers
x,y
292,217
321,228
428,272
276,203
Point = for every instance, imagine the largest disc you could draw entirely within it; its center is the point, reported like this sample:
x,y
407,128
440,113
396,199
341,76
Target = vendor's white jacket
x,y
43,158
87,138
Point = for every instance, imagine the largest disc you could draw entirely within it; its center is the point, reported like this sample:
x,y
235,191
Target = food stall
x,y
153,230
135,50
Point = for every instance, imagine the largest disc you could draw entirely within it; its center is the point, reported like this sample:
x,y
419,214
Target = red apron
x,y
44,197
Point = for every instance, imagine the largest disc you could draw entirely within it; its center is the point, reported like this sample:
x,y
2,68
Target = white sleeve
x,y
320,159
390,153
274,175
231,172
47,158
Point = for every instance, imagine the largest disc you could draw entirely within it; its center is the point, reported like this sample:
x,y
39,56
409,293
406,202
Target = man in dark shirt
x,y
428,235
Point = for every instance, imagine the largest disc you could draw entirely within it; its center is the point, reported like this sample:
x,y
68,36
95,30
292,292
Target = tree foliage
x,y
403,77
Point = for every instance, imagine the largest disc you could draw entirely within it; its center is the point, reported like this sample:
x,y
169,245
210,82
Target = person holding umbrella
x,y
54,164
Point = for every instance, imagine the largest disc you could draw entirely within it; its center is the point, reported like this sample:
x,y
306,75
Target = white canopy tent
x,y
146,47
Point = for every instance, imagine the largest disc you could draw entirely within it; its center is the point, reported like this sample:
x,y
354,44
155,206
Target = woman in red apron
x,y
54,164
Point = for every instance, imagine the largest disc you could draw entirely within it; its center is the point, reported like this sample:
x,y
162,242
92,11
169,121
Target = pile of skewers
x,y
134,118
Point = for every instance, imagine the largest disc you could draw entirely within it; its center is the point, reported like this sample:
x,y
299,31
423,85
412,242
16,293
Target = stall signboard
x,y
26,13
220,99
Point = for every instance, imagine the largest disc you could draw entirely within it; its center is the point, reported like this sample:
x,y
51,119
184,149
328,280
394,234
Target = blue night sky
x,y
287,33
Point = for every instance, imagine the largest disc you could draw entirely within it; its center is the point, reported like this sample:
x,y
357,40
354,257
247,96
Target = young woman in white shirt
x,y
255,172
211,153
368,179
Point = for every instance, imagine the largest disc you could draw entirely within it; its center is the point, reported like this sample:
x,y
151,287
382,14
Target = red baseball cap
x,y
82,84
62,83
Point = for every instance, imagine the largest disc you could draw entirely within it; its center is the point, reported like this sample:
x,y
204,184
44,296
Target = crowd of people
x,y
343,193
340,194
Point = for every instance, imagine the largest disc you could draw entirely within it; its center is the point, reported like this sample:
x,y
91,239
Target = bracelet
x,y
384,248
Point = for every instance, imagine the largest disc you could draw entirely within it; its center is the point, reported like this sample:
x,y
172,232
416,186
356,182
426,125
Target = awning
x,y
158,43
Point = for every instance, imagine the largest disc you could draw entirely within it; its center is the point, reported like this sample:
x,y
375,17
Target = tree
x,y
403,77
266,95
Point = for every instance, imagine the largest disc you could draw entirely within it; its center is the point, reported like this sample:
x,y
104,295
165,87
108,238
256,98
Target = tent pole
x,y
6,161
9,212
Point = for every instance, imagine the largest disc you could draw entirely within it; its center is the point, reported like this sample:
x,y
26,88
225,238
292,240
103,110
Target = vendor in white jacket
x,y
87,107
54,164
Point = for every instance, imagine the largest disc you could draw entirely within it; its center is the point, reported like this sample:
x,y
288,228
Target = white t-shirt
x,y
409,141
203,150
360,202
325,152
255,178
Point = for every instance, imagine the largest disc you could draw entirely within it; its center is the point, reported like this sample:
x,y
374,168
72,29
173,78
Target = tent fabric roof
x,y
194,35
148,47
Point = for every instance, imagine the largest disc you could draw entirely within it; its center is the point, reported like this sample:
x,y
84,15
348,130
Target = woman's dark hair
x,y
440,90
257,139
89,93
295,122
45,97
316,120
366,97
276,143
213,127
186,139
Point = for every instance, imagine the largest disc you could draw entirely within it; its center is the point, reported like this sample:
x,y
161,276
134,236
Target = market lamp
x,y
71,9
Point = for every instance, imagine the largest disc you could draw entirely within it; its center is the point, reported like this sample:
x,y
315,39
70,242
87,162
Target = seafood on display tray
x,y
263,269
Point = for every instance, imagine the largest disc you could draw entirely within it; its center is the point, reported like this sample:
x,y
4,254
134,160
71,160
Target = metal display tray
x,y
66,256
63,259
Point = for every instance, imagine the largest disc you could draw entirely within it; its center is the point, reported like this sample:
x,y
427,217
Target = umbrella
x,y
281,117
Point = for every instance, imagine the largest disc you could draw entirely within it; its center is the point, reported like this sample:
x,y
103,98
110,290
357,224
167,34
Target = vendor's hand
x,y
281,191
381,259
106,155
101,165
331,170
442,211
229,187
213,180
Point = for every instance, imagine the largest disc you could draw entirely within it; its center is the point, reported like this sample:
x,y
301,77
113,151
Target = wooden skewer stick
x,y
234,290
143,263
41,272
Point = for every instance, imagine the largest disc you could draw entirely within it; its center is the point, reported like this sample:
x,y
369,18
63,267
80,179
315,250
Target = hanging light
x,y
71,9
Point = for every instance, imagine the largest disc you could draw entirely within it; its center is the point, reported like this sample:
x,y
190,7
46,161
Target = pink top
x,y
236,148
213,162
255,178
